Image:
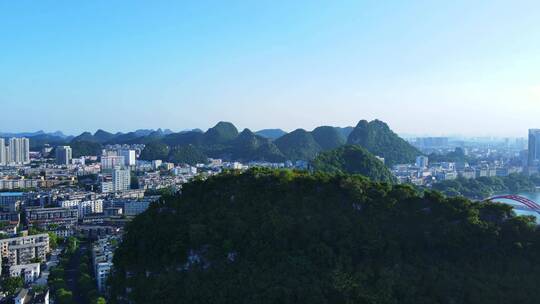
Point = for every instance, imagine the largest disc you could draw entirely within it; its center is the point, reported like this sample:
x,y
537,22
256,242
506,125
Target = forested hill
x,y
353,160
288,237
379,139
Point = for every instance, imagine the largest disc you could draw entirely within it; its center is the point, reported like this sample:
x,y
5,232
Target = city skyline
x,y
458,68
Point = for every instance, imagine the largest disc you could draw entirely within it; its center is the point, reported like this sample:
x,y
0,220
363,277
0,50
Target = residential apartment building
x,y
21,183
11,201
111,161
84,207
3,152
44,217
63,155
121,179
18,151
25,249
129,157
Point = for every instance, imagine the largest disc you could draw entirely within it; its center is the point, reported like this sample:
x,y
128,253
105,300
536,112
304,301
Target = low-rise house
x,y
29,272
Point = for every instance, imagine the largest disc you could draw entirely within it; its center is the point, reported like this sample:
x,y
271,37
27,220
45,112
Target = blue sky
x,y
425,67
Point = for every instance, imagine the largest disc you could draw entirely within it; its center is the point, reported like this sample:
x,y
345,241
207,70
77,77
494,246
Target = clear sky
x,y
425,67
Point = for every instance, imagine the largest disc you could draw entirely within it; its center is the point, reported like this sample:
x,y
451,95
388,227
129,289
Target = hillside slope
x,y
377,138
285,237
353,160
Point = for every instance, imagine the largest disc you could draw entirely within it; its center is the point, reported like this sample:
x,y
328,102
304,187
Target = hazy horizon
x,y
404,135
462,68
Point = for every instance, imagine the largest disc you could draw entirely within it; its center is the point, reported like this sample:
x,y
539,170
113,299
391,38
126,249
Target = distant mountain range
x,y
33,134
226,142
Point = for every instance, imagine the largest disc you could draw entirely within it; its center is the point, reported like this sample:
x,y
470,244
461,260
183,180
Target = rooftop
x,y
11,193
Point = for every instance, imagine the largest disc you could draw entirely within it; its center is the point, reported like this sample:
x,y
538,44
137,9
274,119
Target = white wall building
x,y
89,207
84,207
18,151
129,157
3,156
30,272
111,162
121,179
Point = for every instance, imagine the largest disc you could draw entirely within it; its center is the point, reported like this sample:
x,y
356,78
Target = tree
x,y
53,240
72,244
134,182
353,160
10,285
99,300
86,283
64,296
155,150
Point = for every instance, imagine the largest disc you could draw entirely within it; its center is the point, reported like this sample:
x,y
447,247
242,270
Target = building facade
x,y
129,157
121,179
3,156
534,148
44,217
63,155
18,151
25,249
111,162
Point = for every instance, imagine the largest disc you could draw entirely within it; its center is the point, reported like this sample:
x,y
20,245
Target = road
x,y
72,274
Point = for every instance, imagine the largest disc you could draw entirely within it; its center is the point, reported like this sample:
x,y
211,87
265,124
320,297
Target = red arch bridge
x,y
529,204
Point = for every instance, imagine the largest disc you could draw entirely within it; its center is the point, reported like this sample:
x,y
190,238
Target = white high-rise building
x,y
3,155
18,151
129,157
111,162
63,155
121,179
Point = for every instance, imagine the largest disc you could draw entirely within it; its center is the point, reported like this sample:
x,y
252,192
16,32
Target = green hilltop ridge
x,y
353,160
271,133
377,138
298,145
85,137
268,236
220,133
103,136
248,146
328,137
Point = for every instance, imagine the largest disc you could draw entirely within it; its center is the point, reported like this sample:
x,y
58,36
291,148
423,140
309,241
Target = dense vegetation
x,y
484,187
291,237
155,150
187,154
83,148
328,137
378,139
353,160
298,145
